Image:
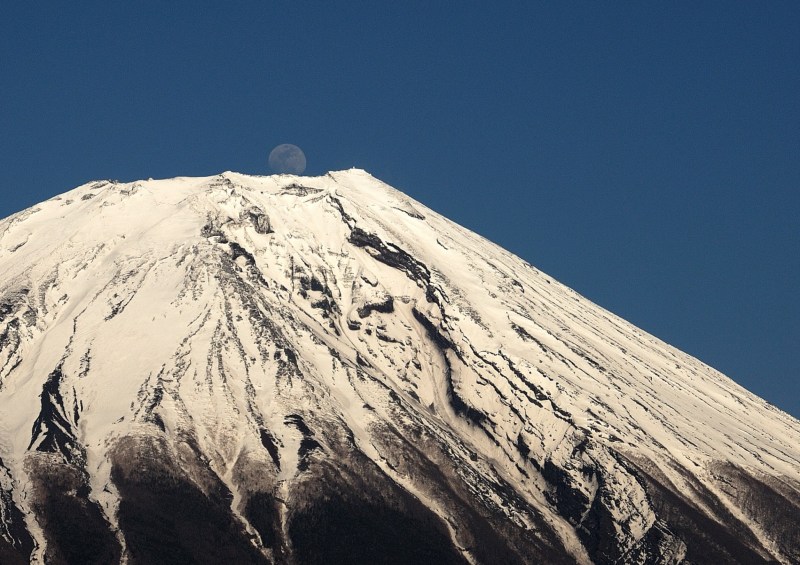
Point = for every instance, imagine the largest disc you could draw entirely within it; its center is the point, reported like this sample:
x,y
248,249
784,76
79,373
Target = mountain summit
x,y
243,369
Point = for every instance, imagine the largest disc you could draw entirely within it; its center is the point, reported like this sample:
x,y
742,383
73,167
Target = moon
x,y
287,158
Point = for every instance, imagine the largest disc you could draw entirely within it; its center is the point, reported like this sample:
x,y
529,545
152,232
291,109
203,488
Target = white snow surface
x,y
124,293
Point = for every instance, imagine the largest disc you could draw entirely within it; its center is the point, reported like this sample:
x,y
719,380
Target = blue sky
x,y
646,154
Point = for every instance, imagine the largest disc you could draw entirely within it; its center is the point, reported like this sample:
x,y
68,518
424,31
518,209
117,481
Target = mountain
x,y
243,369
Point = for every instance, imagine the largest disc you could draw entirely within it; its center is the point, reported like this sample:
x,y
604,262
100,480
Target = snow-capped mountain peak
x,y
321,369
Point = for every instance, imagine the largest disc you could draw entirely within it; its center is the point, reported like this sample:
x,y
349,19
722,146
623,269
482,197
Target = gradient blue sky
x,y
646,154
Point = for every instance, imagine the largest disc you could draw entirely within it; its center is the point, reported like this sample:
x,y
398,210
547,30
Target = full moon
x,y
287,158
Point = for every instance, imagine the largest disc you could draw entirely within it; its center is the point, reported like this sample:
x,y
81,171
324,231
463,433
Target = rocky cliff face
x,y
241,369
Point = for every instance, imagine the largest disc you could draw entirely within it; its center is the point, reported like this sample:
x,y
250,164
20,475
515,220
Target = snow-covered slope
x,y
321,370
